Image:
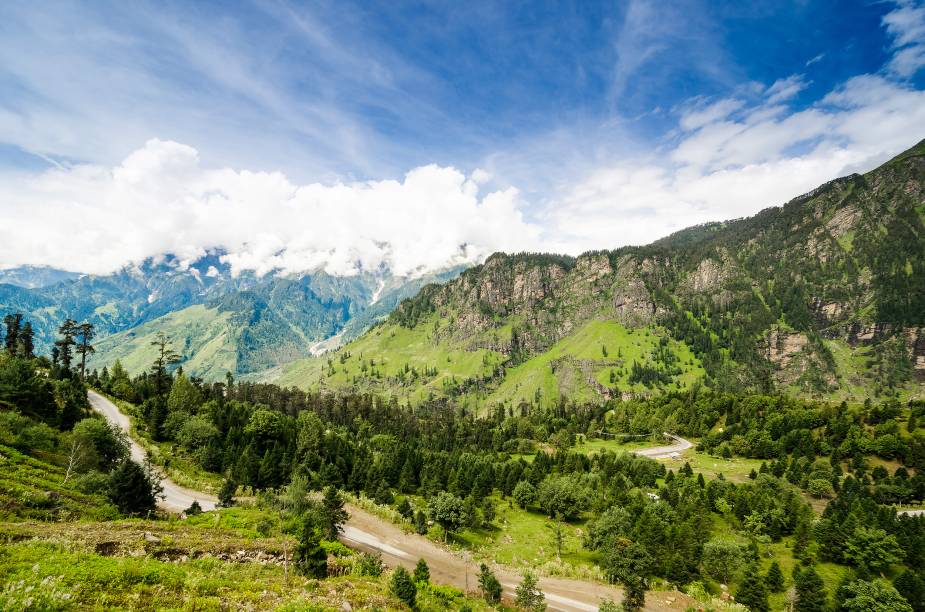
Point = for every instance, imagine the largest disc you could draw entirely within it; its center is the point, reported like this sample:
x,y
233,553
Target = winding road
x,y
660,452
176,498
367,532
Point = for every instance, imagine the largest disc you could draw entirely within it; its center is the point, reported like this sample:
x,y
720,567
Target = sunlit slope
x,y
594,362
820,297
206,335
409,364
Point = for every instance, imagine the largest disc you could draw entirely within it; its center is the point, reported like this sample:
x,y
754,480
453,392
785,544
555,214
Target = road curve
x,y
660,452
176,498
366,532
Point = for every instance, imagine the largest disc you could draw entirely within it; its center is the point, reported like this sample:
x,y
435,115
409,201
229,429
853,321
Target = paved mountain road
x,y
176,498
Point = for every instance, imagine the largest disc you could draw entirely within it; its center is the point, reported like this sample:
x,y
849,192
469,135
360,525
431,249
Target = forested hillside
x,y
784,501
820,297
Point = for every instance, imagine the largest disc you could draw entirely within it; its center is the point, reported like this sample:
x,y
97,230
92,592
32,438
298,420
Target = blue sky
x,y
588,125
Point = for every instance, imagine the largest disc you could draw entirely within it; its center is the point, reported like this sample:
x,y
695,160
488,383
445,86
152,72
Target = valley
x,y
717,415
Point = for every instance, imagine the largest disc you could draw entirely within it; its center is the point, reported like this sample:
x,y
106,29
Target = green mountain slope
x,y
207,335
823,296
255,328
242,323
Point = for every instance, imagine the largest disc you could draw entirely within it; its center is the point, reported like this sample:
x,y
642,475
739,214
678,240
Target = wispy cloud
x,y
596,126
906,24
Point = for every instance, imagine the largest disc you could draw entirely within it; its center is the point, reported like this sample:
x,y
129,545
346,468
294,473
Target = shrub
x,y
524,494
226,493
368,564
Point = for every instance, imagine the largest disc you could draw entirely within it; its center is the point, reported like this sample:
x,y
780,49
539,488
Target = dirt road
x,y
176,498
367,532
660,452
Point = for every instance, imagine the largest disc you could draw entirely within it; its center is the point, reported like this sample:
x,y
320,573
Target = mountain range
x,y
217,321
823,296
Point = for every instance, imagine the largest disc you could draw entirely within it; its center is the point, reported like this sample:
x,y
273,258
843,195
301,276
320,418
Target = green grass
x,y
735,469
616,445
35,489
392,347
522,539
574,367
215,561
205,334
854,377
72,577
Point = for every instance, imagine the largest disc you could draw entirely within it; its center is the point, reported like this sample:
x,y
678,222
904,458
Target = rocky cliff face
x,y
845,262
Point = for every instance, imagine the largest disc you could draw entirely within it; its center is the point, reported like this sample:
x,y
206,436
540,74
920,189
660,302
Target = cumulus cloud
x,y
161,199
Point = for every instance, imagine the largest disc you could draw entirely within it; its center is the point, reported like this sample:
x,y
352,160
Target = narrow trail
x,y
367,532
176,498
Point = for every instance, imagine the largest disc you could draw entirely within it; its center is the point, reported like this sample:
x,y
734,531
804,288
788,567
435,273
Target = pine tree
x,y
85,333
332,512
166,357
64,344
26,341
226,493
131,489
12,322
810,590
774,578
404,508
402,586
310,559
912,587
420,522
407,481
528,595
421,572
801,539
752,592
489,585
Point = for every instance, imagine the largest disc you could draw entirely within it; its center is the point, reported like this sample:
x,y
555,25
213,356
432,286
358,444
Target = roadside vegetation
x,y
81,529
798,482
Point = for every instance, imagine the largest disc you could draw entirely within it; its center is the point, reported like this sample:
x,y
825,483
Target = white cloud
x,y
906,24
784,89
732,168
161,200
700,116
